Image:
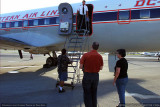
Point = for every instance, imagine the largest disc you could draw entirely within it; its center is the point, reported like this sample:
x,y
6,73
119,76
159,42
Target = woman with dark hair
x,y
121,76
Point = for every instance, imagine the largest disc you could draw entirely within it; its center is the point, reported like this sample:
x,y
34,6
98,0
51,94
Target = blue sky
x,y
8,6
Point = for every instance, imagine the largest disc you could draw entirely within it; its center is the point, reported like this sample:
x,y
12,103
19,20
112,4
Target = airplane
x,y
129,24
151,54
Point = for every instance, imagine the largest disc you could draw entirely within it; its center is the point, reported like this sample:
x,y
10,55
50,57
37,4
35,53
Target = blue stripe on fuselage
x,y
104,16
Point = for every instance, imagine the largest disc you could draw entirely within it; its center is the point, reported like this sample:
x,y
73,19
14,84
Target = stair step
x,y
83,34
75,42
72,66
80,30
70,78
72,72
74,57
74,46
74,61
76,38
74,53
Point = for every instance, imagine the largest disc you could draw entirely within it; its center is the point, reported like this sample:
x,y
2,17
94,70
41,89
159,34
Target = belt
x,y
91,72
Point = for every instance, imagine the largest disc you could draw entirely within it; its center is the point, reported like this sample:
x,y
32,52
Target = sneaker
x,y
61,91
120,105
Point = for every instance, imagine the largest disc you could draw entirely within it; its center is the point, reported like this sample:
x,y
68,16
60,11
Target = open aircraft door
x,y
65,18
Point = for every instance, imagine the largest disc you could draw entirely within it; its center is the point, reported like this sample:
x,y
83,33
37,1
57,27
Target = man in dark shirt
x,y
63,62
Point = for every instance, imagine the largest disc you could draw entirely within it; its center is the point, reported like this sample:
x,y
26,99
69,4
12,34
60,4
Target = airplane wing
x,y
32,42
12,44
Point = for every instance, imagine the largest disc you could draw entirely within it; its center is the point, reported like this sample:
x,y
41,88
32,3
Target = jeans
x,y
121,86
90,84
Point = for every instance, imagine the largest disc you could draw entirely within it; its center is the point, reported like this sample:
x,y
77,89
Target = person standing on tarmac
x,y
92,63
63,62
121,76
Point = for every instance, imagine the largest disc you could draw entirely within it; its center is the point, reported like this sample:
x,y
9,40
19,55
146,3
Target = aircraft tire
x,y
50,61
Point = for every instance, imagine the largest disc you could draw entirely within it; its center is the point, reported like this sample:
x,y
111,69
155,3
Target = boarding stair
x,y
75,45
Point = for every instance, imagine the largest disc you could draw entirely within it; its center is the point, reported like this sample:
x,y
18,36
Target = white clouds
x,y
8,6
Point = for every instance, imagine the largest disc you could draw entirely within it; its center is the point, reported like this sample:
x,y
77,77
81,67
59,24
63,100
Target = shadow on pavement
x,y
141,94
33,87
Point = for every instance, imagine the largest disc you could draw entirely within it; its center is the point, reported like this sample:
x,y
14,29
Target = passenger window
x,y
7,25
124,15
46,21
16,24
155,13
145,14
57,20
35,23
30,22
25,23
52,20
3,25
20,24
40,21
0,25
12,24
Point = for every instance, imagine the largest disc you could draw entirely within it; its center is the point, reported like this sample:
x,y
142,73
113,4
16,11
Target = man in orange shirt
x,y
92,63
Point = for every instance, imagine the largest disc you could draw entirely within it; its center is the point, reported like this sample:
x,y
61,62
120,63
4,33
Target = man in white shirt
x,y
83,15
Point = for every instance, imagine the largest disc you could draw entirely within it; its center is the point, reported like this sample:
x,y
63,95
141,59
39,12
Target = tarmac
x,y
25,81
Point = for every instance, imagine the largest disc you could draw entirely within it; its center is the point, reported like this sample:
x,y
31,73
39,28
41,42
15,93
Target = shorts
x,y
63,76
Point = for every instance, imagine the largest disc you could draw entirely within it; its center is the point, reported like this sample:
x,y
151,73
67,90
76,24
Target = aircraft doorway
x,y
85,24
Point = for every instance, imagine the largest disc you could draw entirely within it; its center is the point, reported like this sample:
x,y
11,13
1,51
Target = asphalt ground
x,y
25,81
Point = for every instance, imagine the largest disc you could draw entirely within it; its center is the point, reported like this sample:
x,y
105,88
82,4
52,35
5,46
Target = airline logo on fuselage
x,y
29,16
141,3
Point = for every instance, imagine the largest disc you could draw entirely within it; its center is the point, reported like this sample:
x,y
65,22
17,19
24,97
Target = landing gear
x,y
51,61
